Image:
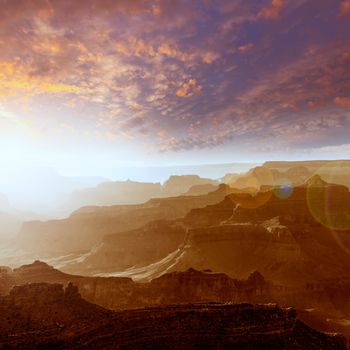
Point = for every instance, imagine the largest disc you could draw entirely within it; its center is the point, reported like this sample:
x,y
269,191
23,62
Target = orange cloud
x,y
15,79
209,57
138,47
344,7
272,11
189,88
245,48
342,101
162,133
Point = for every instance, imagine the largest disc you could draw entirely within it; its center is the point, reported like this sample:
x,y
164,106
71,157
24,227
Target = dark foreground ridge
x,y
47,316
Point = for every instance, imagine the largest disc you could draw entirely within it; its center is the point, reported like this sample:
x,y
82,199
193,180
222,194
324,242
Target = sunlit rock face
x,y
238,249
290,240
309,203
334,171
64,320
291,174
262,176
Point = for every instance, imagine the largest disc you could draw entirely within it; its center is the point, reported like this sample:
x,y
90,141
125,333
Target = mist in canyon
x,y
175,174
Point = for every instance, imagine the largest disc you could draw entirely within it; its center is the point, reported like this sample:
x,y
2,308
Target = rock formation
x,y
47,316
123,293
177,185
133,192
281,237
86,227
198,190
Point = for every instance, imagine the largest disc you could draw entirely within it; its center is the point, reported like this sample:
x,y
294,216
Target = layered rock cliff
x,y
47,316
122,292
87,226
282,237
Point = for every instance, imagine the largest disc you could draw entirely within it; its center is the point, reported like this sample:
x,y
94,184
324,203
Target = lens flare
x,y
328,195
283,188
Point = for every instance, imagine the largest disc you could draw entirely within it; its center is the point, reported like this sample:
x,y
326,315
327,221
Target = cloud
x,y
138,47
189,88
272,11
15,79
344,7
340,151
147,82
342,101
210,57
133,122
245,48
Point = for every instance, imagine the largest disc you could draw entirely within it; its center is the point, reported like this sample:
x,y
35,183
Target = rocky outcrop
x,y
7,280
238,249
290,173
122,293
315,202
261,176
222,326
284,255
48,316
334,171
39,315
192,285
198,190
324,300
177,185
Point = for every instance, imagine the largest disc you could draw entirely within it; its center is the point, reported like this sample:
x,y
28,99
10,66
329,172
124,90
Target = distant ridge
x,y
310,164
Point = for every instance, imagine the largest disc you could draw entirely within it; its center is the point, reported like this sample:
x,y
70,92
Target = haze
x,y
175,174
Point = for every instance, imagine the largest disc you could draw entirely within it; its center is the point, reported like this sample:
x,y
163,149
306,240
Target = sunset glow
x,y
248,80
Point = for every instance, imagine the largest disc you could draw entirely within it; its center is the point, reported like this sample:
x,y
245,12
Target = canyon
x,y
282,242
316,302
86,227
49,316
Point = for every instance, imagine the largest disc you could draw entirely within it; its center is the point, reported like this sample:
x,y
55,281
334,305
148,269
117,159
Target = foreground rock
x,y
117,293
324,305
43,316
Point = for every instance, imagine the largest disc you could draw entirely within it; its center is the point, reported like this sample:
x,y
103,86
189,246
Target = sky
x,y
89,86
